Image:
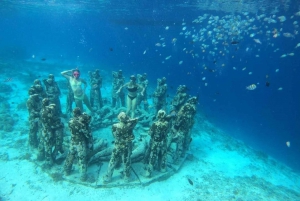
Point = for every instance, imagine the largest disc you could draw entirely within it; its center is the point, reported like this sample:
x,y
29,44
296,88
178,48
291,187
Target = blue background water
x,y
97,34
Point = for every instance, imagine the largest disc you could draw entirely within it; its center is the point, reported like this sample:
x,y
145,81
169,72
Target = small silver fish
x,y
251,87
168,57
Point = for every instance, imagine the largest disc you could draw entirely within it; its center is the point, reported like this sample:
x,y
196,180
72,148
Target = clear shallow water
x,y
115,35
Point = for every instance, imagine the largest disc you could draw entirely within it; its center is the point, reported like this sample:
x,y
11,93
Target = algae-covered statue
x,y
123,134
160,95
81,142
51,141
118,82
182,126
76,83
158,144
53,92
95,91
34,108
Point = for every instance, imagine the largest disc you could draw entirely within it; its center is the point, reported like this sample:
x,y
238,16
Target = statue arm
x,y
67,74
119,90
84,84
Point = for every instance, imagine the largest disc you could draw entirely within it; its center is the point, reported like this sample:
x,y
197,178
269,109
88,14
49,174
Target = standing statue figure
x,y
70,100
53,92
38,88
179,99
160,95
81,142
95,93
52,135
123,134
34,108
118,82
143,81
133,89
182,126
158,144
76,83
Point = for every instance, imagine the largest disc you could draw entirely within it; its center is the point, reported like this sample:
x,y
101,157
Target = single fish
x,y
190,181
288,35
234,42
168,57
282,18
282,56
251,87
257,41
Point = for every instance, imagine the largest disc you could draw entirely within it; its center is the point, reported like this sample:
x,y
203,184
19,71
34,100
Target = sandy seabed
x,y
221,168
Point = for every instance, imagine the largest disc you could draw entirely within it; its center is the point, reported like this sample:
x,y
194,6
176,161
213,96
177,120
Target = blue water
x,y
114,35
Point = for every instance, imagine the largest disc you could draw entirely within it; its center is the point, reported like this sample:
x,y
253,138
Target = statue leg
x,y
100,101
127,161
92,95
152,160
128,105
33,132
69,160
133,107
87,103
122,97
79,104
116,153
82,161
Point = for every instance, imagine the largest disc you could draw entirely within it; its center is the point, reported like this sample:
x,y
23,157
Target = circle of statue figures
x,y
114,145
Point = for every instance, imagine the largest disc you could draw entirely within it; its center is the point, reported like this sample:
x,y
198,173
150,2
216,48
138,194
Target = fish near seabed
x,y
190,181
251,87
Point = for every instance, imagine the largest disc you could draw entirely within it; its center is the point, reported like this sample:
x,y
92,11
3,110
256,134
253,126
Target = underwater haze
x,y
240,58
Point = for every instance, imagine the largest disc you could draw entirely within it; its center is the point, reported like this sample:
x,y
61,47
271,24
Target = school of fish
x,y
209,38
